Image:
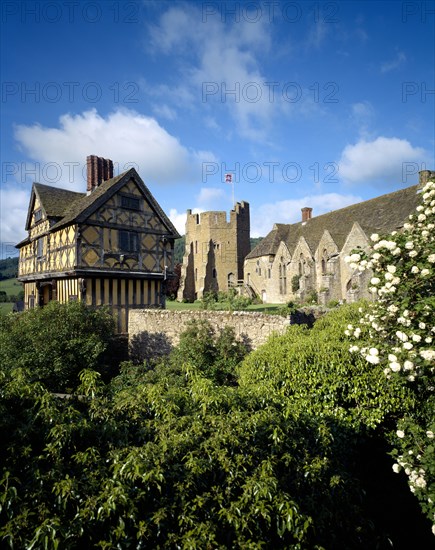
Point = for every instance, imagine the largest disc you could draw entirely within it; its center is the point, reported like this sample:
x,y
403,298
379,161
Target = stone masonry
x,y
215,251
154,331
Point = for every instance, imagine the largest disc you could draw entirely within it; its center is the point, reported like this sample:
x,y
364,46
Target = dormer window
x,y
37,215
132,203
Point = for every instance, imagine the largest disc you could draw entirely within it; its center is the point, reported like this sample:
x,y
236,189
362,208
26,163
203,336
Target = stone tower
x,y
215,251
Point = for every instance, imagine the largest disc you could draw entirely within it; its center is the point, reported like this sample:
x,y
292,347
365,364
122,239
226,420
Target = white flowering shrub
x,y
398,334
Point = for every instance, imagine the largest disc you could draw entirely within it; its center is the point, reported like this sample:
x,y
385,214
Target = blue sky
x,y
319,104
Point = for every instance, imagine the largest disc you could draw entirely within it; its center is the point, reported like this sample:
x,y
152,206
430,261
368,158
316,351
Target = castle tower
x,y
215,251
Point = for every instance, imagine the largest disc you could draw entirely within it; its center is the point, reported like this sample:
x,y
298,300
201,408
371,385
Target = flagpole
x,y
229,179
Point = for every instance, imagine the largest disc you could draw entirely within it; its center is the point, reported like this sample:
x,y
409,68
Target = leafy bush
x,y
174,456
209,300
214,353
295,283
397,334
56,342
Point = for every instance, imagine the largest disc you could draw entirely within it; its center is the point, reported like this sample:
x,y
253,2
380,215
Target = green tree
x,y
56,342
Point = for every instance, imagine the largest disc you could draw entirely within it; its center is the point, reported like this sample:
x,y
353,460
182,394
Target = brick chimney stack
x,y
98,170
306,213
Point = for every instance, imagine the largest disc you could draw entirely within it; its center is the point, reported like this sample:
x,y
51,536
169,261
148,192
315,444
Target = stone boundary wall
x,y
153,332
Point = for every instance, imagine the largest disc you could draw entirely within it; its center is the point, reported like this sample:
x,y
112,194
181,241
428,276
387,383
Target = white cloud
x,y
209,197
394,63
289,211
164,111
380,161
363,115
225,57
125,136
13,212
179,218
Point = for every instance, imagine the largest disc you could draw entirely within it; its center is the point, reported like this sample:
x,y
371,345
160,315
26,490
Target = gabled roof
x,y
379,215
53,200
67,207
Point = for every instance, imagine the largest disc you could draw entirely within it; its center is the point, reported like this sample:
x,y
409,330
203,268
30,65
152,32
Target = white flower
x,y
375,280
412,253
395,367
416,338
408,365
425,272
401,336
422,325
414,269
407,345
376,256
396,252
421,217
420,482
373,359
427,354
431,258
391,268
373,351
355,258
430,434
392,357
400,434
396,468
375,237
409,245
352,349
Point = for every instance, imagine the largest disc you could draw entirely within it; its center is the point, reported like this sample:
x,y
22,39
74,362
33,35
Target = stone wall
x,y
153,332
215,251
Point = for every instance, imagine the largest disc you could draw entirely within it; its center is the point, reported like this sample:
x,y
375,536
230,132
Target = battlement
x,y
218,218
216,246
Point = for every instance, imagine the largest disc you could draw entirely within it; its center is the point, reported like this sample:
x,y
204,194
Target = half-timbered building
x,y
112,246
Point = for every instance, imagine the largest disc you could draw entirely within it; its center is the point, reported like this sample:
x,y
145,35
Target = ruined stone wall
x,y
154,332
215,251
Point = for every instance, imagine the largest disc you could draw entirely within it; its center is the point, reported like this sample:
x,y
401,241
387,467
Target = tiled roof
x,y
67,207
380,215
55,201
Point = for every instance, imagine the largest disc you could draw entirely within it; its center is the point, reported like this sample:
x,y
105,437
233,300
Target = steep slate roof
x,y
80,210
69,207
380,215
53,200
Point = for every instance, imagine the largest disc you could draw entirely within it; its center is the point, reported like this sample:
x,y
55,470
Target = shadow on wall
x,y
146,345
246,341
302,318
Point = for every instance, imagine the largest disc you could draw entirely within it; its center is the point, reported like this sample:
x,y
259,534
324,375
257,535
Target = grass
x,y
180,306
5,307
11,286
